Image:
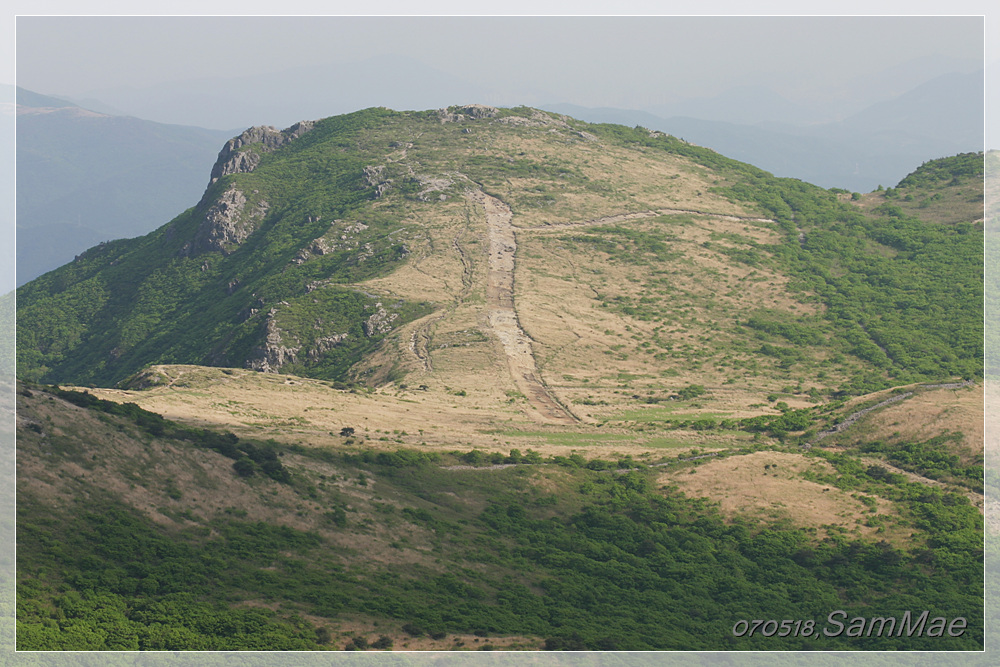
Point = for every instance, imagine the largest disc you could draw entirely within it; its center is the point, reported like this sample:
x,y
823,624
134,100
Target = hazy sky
x,y
596,61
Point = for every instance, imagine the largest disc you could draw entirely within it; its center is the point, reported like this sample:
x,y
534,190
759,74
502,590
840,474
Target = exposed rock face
x,y
233,160
379,322
541,119
227,223
324,344
375,177
432,184
471,111
272,355
478,111
336,238
320,247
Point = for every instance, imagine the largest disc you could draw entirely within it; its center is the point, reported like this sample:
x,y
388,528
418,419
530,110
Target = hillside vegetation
x,y
497,378
684,253
242,544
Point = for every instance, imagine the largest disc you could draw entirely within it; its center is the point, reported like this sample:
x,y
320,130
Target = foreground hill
x,y
135,532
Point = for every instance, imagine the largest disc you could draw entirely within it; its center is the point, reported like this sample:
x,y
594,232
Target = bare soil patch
x,y
769,485
933,412
502,315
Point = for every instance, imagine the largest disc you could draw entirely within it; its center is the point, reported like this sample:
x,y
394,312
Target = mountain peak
x,y
234,158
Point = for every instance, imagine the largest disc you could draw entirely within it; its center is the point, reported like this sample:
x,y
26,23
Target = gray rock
x,y
379,322
236,158
323,344
273,354
375,177
227,223
471,111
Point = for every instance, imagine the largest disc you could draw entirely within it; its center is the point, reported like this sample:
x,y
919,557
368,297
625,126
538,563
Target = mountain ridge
x,y
86,177
308,256
878,145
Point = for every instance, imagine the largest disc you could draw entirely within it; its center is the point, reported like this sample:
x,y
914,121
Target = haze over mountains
x,y
405,82
875,146
87,177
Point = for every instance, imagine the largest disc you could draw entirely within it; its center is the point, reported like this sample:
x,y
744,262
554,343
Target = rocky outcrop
x,y
432,184
469,111
323,344
336,239
542,119
273,354
233,159
375,177
228,222
477,111
379,322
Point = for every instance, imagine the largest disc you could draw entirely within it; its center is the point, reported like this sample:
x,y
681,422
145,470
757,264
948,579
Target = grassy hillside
x,y
499,378
685,255
240,543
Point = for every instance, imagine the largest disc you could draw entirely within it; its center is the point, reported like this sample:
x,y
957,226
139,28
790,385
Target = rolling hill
x,y
138,533
500,377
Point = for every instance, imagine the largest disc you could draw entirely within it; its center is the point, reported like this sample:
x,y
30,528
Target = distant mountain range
x,y
284,97
876,146
84,177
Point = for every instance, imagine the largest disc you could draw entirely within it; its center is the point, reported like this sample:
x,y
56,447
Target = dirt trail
x,y
623,217
837,428
502,317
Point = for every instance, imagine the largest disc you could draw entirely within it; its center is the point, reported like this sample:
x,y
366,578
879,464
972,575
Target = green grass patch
x,y
570,439
665,414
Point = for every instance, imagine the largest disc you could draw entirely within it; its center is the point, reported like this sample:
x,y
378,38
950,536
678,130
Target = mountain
x,y
742,105
309,248
33,100
501,378
84,177
950,106
875,146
